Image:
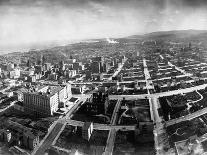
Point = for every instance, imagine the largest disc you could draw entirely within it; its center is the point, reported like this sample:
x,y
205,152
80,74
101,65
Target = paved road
x,y
168,93
115,113
98,126
179,91
128,97
178,76
112,133
117,71
11,104
89,83
50,137
47,143
181,70
110,142
187,117
149,84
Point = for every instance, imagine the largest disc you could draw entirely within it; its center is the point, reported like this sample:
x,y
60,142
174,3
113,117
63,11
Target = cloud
x,y
38,21
194,3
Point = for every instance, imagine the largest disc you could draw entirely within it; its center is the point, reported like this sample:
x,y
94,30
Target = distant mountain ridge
x,y
60,52
172,34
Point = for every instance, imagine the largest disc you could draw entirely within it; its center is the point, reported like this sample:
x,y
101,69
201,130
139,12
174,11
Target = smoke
x,y
111,41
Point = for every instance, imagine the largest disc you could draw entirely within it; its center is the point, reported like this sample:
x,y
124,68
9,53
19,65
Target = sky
x,y
25,23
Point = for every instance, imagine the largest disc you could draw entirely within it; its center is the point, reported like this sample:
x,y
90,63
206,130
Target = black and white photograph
x,y
103,77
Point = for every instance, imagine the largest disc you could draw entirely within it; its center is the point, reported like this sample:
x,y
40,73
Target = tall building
x,y
38,69
14,74
30,140
70,61
88,75
95,67
98,105
5,135
99,59
10,66
47,66
87,130
61,65
44,101
76,66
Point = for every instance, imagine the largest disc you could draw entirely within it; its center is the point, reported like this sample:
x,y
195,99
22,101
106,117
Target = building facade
x,y
44,102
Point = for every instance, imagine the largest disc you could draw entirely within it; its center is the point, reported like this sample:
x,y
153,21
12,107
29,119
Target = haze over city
x,y
103,77
25,23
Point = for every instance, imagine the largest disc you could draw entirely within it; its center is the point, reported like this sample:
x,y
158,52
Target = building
x,y
10,83
76,66
5,135
16,133
70,61
32,78
10,66
70,73
15,73
53,76
79,89
44,101
69,66
95,67
87,130
61,65
98,59
47,66
38,69
98,105
30,140
106,67
88,75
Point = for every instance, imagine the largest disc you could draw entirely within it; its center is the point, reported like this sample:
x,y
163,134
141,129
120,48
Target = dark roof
x,y
73,99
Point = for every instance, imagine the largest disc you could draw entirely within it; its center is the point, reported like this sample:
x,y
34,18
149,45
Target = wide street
x,y
112,133
56,128
112,127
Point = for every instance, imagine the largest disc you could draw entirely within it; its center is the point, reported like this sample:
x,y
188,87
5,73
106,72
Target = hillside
x,y
102,47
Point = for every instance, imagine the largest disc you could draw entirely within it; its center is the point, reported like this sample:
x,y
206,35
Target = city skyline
x,y
28,24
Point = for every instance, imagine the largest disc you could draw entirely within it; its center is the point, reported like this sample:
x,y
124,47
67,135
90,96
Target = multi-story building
x,y
47,66
44,101
10,66
106,67
98,105
15,73
38,69
95,67
53,76
19,134
88,75
69,66
70,61
99,59
70,73
87,130
5,135
77,66
30,140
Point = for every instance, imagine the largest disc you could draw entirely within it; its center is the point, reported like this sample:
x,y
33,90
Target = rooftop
x,y
46,90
